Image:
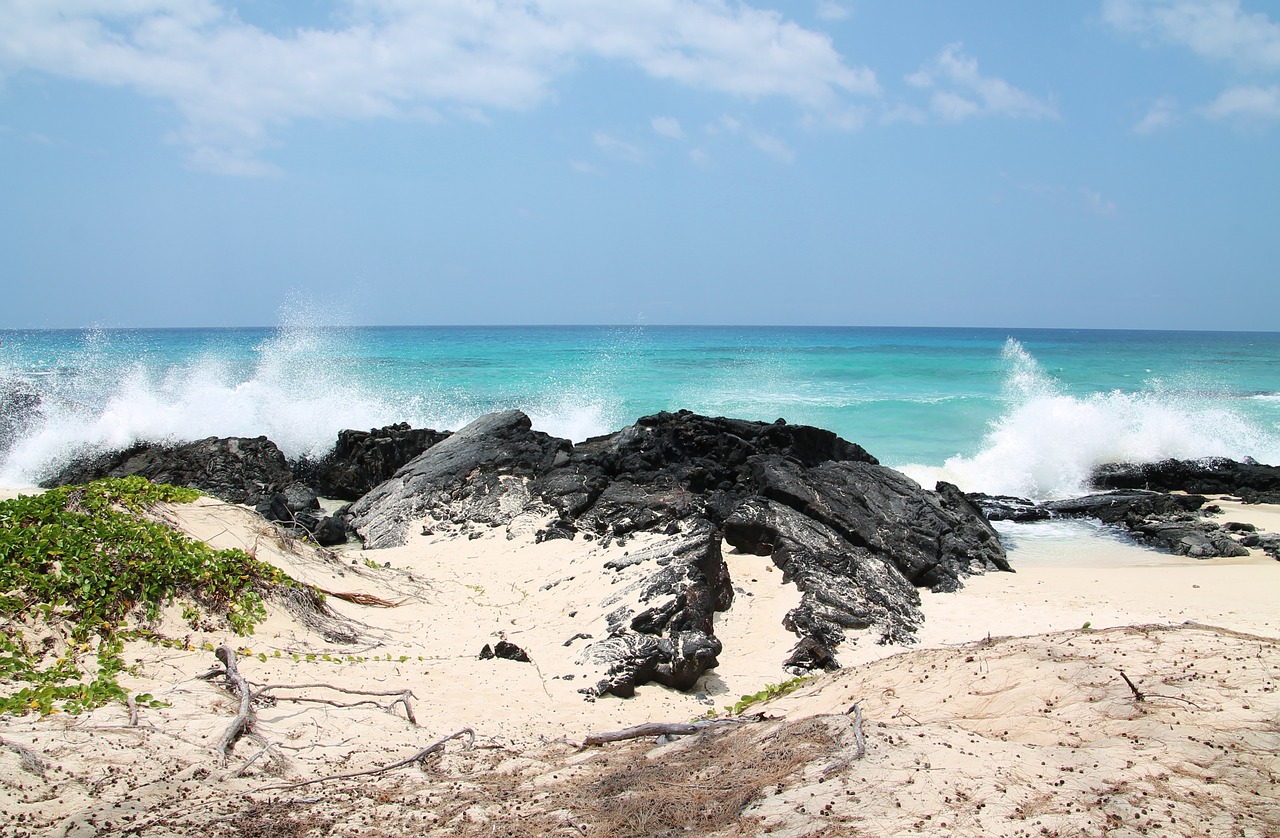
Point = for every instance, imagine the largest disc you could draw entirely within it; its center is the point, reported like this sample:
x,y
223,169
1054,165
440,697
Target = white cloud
x,y
700,157
1216,29
620,149
828,10
583,167
235,84
1163,114
667,126
1246,103
773,146
960,91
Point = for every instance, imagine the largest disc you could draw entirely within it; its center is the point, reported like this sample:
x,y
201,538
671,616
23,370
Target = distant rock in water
x,y
855,537
235,469
1251,482
363,459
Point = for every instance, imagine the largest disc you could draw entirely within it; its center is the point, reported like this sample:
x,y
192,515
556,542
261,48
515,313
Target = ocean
x,y
1010,411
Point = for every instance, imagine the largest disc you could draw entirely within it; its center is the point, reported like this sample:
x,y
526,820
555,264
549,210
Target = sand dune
x,y
1007,718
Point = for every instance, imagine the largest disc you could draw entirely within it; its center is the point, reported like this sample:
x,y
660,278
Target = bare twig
x,y
419,757
1137,693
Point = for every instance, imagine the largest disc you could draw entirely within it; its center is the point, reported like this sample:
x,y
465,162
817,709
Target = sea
x,y
1025,412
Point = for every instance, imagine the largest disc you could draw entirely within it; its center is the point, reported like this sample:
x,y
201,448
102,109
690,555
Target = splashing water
x,y
1047,442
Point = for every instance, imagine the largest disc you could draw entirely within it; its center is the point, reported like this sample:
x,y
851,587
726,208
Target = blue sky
x,y
1113,163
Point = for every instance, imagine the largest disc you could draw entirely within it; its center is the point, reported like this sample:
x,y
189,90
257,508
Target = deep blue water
x,y
1002,410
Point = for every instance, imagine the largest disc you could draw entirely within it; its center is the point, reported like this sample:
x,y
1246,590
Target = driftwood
x,y
665,729
244,719
859,740
859,743
419,757
401,697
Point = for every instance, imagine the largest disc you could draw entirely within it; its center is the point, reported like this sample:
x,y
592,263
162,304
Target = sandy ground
x,y
1008,717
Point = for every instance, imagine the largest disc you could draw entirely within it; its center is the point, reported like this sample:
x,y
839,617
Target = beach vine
x,y
82,569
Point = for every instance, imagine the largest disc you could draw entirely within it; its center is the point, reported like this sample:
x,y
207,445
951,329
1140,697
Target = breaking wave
x,y
1047,441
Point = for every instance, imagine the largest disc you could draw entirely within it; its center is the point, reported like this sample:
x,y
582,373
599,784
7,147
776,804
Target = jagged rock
x,y
294,508
1252,482
661,622
235,469
1169,522
361,460
1128,508
334,529
1008,508
854,536
504,650
478,473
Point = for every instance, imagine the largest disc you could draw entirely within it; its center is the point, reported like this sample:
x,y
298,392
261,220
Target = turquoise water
x,y
999,410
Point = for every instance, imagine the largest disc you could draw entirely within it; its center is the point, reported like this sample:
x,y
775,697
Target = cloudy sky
x,y
1112,163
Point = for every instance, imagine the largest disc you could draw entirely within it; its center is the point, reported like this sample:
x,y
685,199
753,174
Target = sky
x,y
1093,164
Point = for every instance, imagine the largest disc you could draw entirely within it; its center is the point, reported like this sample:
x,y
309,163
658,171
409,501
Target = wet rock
x,y
1167,522
1251,481
1008,508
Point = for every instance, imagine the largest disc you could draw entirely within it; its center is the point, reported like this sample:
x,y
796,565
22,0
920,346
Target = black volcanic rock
x,y
235,469
1008,508
360,460
478,474
1250,481
854,536
1169,522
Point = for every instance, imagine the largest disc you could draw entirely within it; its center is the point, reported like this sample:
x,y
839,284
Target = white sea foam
x,y
290,394
1047,441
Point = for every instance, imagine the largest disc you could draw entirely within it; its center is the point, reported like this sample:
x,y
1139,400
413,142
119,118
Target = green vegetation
x,y
769,693
77,562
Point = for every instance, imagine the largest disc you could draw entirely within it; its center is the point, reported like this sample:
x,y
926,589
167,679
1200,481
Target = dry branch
x,y
665,729
401,697
244,716
419,757
860,741
362,599
1139,695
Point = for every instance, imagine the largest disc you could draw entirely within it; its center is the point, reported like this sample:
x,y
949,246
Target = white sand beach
x,y
1008,717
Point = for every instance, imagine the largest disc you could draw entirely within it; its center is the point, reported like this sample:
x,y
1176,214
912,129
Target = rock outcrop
x,y
1250,481
855,537
362,460
1172,522
235,469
